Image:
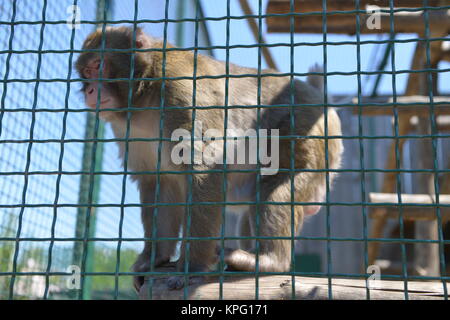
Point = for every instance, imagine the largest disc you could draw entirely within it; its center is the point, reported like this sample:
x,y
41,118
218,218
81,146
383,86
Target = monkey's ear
x,y
142,40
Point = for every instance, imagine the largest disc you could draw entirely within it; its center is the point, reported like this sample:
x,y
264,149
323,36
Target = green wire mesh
x,y
66,200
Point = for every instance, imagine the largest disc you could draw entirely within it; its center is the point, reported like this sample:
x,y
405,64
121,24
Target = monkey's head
x,y
112,70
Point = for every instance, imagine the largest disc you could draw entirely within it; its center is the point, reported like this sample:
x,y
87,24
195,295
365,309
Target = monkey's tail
x,y
316,80
240,260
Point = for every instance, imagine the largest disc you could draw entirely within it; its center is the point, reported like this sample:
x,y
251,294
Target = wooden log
x,y
404,22
408,106
340,98
280,288
411,213
346,5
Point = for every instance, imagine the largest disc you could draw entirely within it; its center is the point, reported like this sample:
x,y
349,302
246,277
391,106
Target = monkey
x,y
146,88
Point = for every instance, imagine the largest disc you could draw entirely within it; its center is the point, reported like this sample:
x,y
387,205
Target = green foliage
x,y
105,260
7,228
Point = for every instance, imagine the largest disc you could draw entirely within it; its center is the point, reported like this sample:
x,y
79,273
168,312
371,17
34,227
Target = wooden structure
x,y
407,106
309,18
280,288
338,22
412,212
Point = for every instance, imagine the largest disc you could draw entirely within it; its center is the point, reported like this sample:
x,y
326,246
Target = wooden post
x,y
389,186
411,212
426,256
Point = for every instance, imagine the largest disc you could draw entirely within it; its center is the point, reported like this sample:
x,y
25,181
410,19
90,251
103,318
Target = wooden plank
x,y
280,288
407,105
404,22
338,5
392,198
412,213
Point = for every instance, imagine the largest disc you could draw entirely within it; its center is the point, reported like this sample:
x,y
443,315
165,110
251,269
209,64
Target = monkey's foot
x,y
143,264
178,282
138,282
241,260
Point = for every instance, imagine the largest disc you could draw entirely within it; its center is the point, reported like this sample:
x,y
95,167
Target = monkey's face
x,y
104,93
108,70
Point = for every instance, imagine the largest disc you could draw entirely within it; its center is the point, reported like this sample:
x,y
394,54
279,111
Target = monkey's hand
x,y
178,282
143,264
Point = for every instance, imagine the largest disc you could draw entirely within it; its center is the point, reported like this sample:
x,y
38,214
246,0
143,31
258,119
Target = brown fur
x,y
275,220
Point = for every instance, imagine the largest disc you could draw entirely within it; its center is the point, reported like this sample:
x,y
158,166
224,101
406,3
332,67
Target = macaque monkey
x,y
201,195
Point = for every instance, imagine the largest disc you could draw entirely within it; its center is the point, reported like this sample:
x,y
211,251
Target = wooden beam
x,y
404,22
409,106
411,213
347,5
340,98
255,31
392,198
280,288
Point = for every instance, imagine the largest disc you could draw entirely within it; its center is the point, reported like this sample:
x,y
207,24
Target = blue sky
x,y
340,58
